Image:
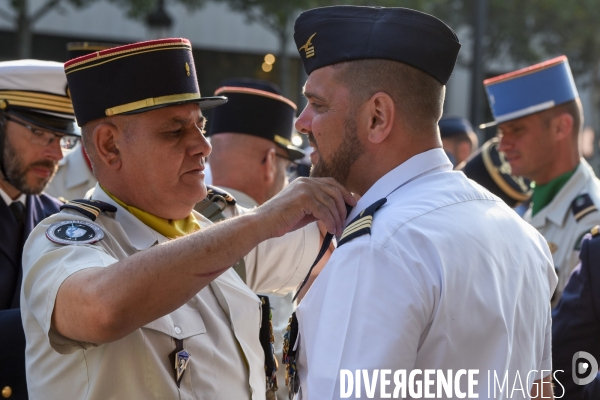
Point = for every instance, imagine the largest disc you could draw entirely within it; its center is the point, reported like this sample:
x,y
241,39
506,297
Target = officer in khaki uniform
x,y
131,294
539,118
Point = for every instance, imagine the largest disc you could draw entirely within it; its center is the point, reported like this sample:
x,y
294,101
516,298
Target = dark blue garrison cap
x,y
450,126
330,35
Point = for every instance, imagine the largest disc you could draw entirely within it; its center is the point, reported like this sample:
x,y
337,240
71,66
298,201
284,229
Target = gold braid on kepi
x,y
135,78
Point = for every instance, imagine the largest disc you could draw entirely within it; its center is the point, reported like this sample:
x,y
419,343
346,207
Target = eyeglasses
x,y
42,137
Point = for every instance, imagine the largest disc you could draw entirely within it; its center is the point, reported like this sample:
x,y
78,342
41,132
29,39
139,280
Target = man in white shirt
x,y
432,272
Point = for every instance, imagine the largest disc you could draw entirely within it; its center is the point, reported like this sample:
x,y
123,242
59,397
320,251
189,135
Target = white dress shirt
x,y
22,198
449,278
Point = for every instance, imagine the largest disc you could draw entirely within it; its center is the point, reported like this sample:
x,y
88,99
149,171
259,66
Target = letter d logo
x,y
590,367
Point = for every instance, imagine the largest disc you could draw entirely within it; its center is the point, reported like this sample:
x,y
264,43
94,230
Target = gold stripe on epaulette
x,y
584,212
362,223
595,231
153,101
125,53
90,209
85,205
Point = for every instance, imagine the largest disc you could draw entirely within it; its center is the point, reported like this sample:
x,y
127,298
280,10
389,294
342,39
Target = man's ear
x,y
562,125
381,111
104,138
269,166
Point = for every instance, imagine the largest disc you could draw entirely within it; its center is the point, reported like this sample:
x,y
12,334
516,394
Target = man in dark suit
x,y
576,327
36,124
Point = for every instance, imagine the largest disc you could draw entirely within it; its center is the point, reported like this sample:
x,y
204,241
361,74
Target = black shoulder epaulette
x,y
212,191
361,225
89,208
582,206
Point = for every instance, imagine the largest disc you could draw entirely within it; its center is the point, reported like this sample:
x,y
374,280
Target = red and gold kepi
x,y
135,78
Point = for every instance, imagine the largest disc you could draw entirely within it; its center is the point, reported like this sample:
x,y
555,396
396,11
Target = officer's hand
x,y
306,200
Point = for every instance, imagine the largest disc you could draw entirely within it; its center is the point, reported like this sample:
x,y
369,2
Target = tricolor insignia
x,y
89,208
582,206
212,192
361,225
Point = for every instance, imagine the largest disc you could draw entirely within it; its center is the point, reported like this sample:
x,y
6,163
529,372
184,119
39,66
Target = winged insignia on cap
x,y
308,47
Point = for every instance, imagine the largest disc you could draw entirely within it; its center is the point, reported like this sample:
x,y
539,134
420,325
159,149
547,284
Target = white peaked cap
x,y
35,85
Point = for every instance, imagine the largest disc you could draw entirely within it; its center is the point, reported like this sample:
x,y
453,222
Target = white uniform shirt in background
x,y
74,177
450,278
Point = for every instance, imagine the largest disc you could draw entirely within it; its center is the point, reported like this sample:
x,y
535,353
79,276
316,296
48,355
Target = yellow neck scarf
x,y
166,227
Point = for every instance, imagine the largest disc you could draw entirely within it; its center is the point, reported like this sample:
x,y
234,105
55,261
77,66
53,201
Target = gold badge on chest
x,y
553,247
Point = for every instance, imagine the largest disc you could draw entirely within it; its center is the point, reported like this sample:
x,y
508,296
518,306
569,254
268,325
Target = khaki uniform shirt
x,y
73,178
281,307
558,223
219,326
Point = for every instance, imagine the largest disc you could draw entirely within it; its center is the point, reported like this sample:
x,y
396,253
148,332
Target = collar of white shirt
x,y
22,198
415,167
561,204
140,235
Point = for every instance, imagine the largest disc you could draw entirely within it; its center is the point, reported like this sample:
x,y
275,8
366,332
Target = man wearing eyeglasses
x,y
36,124
251,159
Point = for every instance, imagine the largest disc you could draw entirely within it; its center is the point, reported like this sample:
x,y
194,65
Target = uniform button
x,y
177,330
6,392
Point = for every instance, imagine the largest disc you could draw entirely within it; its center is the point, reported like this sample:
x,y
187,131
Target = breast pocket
x,y
160,338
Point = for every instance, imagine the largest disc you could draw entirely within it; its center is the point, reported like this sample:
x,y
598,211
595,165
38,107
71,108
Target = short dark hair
x,y
573,108
418,96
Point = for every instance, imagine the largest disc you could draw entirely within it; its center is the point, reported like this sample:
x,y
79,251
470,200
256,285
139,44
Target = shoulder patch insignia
x,y
595,231
89,208
582,206
361,225
74,232
212,192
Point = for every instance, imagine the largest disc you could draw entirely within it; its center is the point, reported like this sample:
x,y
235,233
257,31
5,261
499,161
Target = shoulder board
x,y
89,208
582,206
214,191
593,233
361,225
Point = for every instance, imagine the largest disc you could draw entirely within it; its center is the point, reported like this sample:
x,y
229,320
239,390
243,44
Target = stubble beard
x,y
16,172
343,158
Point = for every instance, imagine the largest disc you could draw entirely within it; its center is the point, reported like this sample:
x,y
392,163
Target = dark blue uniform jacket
x,y
12,338
576,323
